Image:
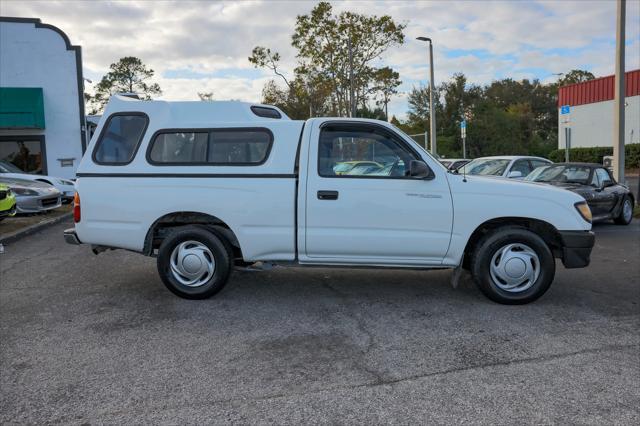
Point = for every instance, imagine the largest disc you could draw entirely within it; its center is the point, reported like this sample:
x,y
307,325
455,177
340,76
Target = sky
x,y
203,46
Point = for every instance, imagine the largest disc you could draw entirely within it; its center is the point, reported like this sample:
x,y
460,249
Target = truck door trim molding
x,y
191,175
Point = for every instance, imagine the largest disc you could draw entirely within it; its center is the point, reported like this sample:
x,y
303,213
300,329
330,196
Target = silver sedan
x,y
33,197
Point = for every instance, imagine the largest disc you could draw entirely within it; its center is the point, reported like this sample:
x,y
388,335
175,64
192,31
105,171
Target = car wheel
x,y
194,263
626,212
513,266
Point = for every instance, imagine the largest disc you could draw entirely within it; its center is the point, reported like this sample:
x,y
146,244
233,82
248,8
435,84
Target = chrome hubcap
x,y
515,267
627,210
192,263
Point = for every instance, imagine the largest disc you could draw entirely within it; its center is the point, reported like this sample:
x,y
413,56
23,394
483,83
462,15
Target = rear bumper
x,y
70,237
576,248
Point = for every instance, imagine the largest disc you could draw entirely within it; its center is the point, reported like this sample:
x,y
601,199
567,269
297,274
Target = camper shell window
x,y
225,147
120,138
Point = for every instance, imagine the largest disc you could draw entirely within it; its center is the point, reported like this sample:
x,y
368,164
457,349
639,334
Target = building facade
x,y
587,110
42,122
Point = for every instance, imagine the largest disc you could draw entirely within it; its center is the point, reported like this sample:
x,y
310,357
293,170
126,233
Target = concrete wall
x,y
39,57
592,124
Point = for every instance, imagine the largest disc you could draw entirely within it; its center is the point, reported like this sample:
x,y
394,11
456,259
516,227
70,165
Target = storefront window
x,y
26,155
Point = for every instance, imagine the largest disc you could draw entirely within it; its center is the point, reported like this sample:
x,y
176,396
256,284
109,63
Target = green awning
x,y
21,108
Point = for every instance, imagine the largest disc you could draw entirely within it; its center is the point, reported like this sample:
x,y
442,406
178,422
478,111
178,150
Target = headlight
x,y
24,191
584,210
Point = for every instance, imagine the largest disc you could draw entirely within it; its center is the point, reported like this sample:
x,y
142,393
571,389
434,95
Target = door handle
x,y
327,195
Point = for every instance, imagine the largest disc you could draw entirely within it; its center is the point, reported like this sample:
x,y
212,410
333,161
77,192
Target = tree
x,y
386,83
576,76
261,57
205,96
128,75
324,42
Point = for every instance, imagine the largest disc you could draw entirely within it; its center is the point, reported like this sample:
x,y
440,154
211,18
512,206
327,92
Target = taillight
x,y
76,208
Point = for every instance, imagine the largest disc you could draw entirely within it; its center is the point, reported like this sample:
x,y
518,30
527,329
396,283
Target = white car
x,y
33,196
506,166
205,186
65,186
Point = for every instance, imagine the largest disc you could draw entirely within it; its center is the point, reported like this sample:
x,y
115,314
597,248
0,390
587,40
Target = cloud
x,y
197,46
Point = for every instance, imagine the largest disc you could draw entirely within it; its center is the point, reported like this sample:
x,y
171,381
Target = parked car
x,y
509,166
65,186
7,202
206,185
33,196
607,199
453,163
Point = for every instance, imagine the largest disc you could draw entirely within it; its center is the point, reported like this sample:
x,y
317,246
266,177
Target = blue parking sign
x,y
565,109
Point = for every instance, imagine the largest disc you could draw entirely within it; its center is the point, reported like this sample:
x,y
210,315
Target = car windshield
x,y
535,173
561,173
7,167
485,167
343,167
363,169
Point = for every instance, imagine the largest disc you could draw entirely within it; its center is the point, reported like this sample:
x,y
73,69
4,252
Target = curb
x,y
15,236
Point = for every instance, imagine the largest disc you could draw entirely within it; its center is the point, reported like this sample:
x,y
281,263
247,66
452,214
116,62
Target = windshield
x,y
7,167
485,167
343,167
561,174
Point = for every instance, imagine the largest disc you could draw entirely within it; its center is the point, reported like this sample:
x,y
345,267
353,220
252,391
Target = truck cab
x,y
204,186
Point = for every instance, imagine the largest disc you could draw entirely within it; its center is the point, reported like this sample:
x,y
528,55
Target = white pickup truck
x,y
205,186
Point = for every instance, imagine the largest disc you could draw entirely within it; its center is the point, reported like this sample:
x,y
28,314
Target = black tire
x,y
217,249
620,219
491,244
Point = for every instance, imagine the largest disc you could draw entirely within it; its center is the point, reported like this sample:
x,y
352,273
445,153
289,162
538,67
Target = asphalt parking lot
x,y
98,339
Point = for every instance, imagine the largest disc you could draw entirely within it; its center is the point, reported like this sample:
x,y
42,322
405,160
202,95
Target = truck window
x,y
119,139
179,148
233,146
239,146
348,150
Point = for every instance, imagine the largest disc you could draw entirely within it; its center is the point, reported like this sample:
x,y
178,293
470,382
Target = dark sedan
x,y
607,199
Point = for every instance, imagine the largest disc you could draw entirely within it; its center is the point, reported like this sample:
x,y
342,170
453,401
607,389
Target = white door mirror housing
x,y
514,174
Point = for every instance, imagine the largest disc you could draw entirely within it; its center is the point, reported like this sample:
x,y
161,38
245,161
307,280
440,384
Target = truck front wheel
x,y
513,266
194,263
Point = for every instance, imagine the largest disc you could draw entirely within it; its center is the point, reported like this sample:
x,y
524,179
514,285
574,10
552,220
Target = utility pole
x,y
618,112
352,105
432,113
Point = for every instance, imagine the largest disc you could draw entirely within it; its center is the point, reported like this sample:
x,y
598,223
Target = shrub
x,y
595,154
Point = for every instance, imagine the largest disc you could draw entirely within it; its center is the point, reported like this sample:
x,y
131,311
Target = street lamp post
x,y
432,114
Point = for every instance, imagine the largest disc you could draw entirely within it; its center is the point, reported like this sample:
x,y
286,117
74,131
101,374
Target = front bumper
x,y
38,203
576,248
10,212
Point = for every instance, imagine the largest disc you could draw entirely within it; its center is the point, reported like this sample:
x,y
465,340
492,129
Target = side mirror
x,y
420,170
514,174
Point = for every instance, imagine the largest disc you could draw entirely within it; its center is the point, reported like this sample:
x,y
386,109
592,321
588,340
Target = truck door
x,y
361,207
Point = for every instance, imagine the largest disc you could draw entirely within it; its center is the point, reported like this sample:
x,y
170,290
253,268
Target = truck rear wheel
x,y
194,263
513,266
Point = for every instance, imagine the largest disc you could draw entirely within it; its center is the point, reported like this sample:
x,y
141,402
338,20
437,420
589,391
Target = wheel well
x,y
167,223
544,229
